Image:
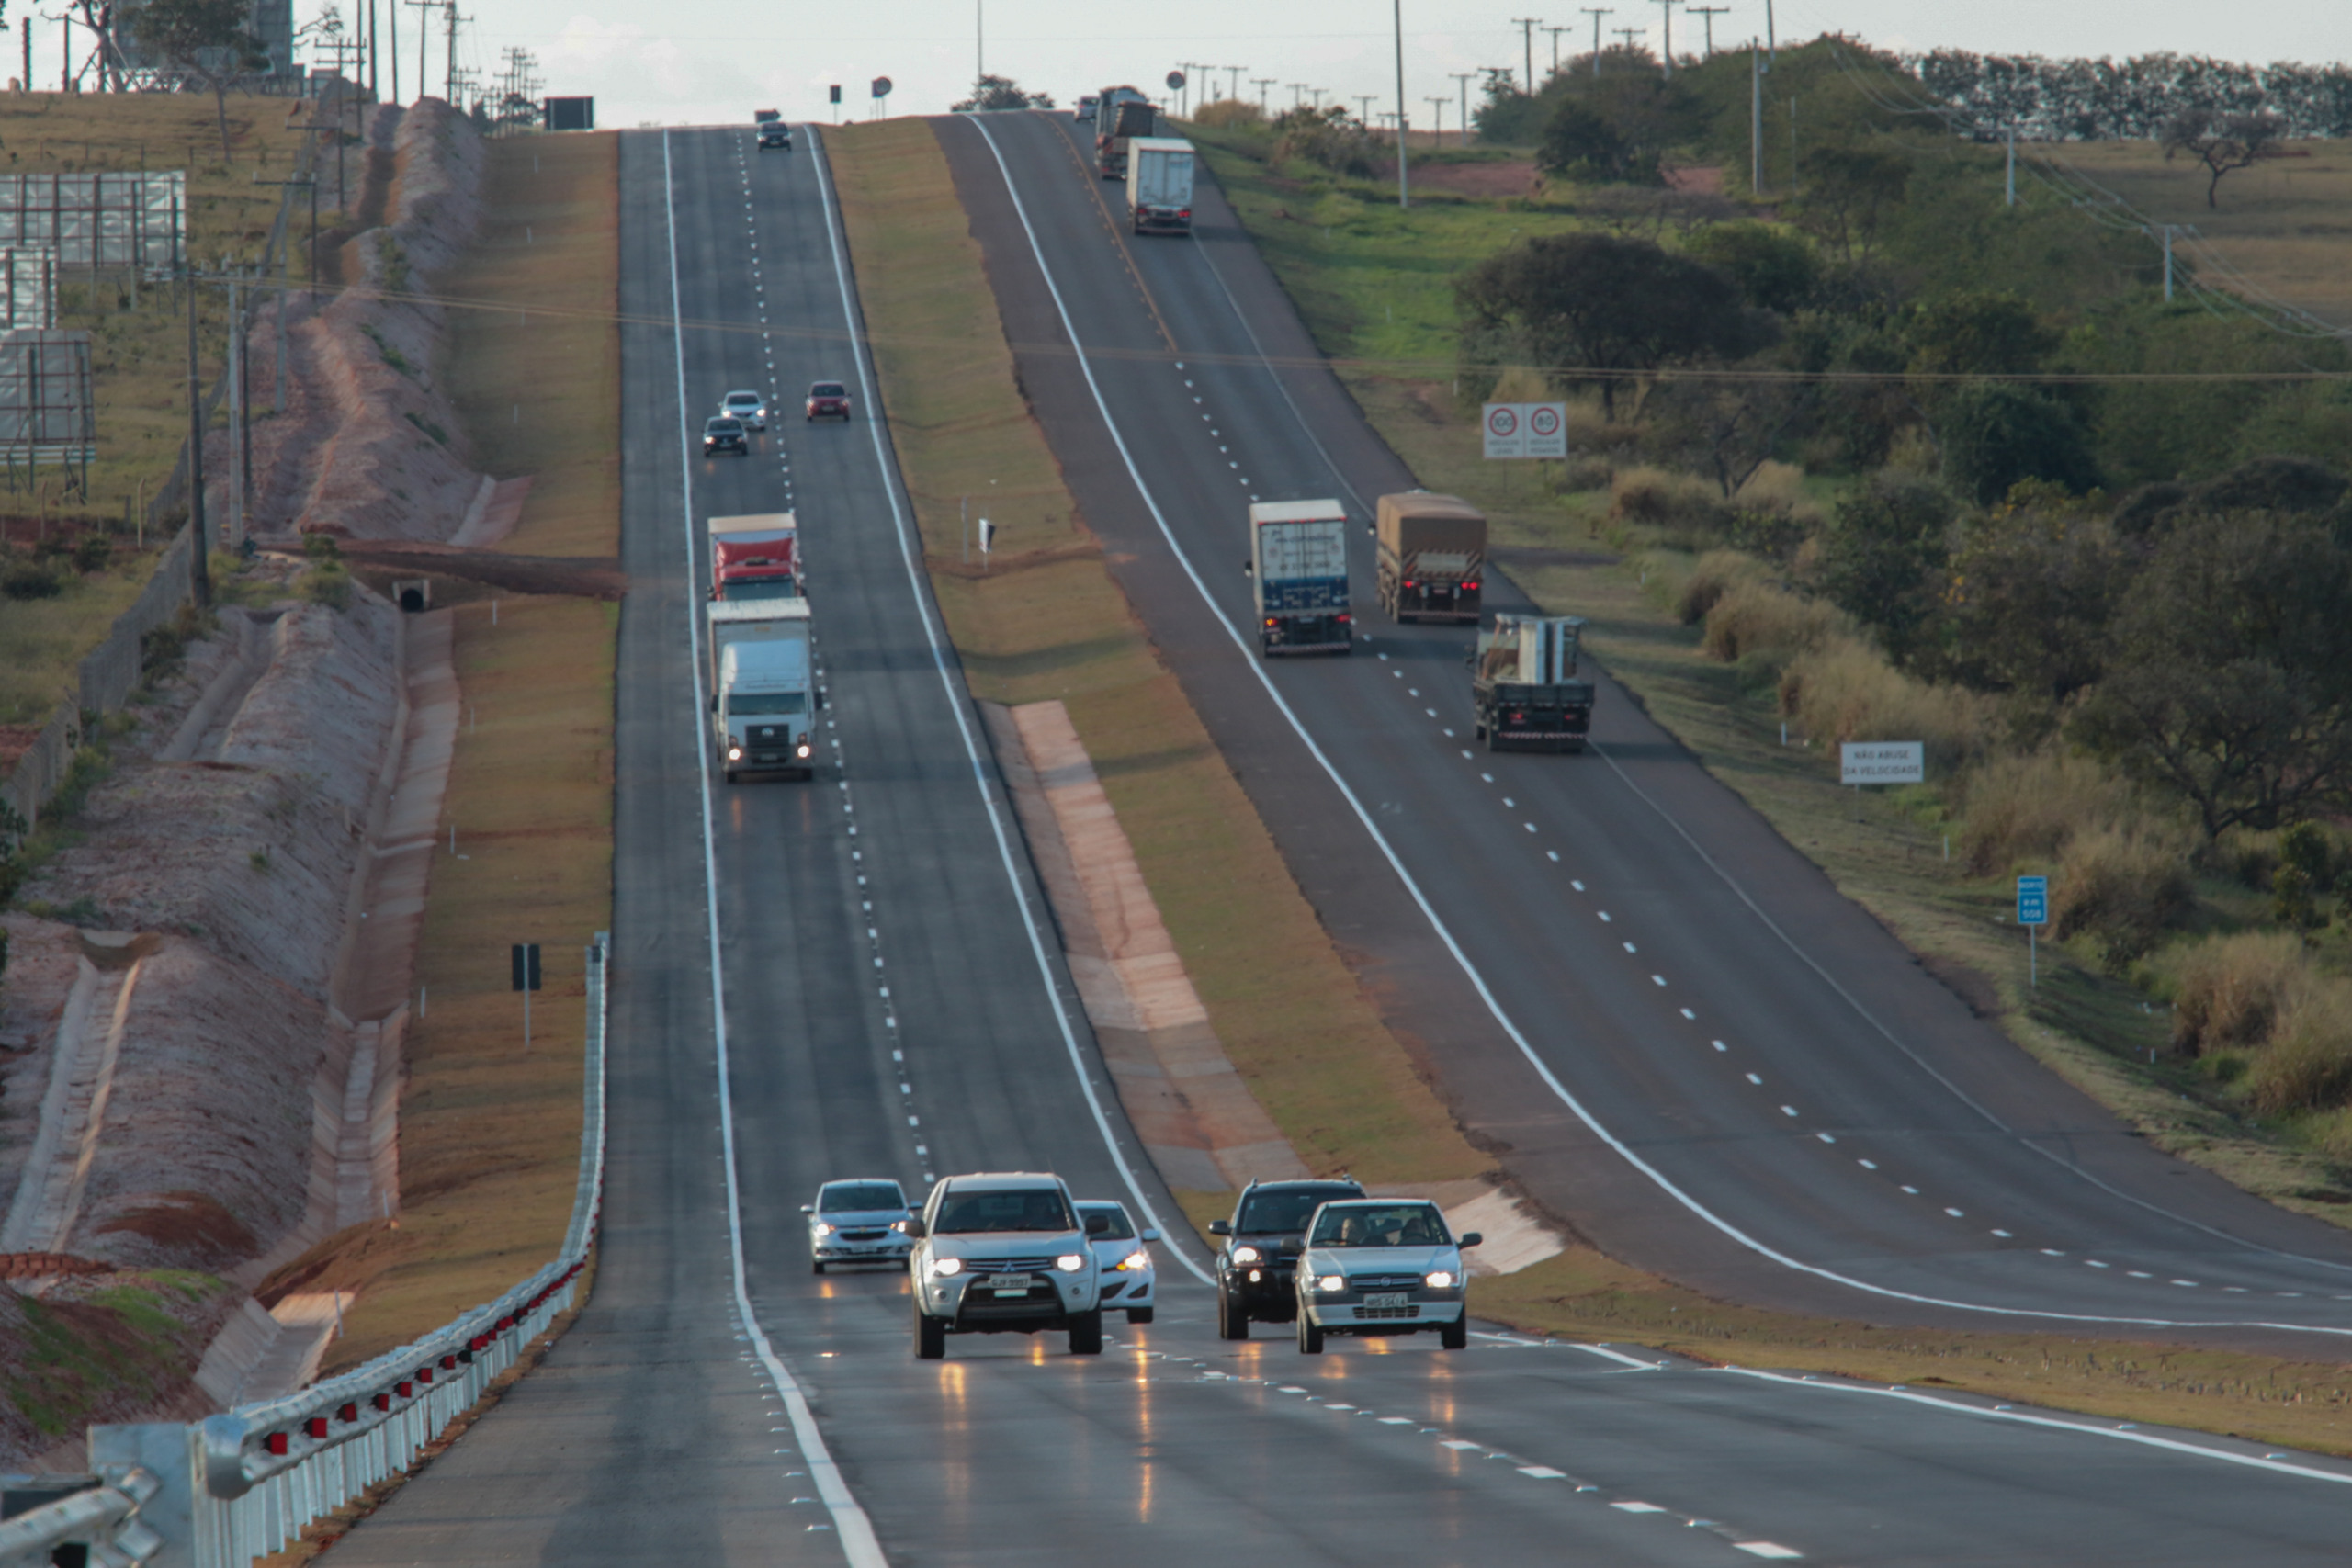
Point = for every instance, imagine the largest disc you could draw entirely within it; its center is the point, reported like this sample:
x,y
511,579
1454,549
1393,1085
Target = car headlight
x,y
803,750
897,1225
1332,1282
734,753
1070,1262
824,1229
1247,1255
1139,1258
943,1267
1439,1279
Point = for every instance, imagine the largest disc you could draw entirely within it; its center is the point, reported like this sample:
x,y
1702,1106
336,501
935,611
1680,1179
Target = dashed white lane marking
x,y
1397,1420
2139,1273
1915,1192
1459,1443
1788,1110
1757,1081
1575,884
1766,1548
2095,1263
1658,979
1688,1014
1602,913
1630,1506
1543,1473
1719,1044
2004,1234
1555,854
1629,946
1955,1214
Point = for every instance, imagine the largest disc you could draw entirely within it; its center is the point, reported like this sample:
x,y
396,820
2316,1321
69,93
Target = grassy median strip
x,y
1046,621
489,1129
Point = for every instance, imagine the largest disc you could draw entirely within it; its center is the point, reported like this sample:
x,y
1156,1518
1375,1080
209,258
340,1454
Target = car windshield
x,y
1287,1209
760,588
742,400
1380,1225
1122,1228
827,389
723,427
859,1197
1022,1209
739,704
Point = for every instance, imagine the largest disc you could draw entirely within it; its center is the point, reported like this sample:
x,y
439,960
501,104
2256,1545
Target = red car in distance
x,y
829,400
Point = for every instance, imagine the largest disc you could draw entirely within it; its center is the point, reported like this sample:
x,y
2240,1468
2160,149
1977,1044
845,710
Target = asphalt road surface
x,y
885,1011
1689,1043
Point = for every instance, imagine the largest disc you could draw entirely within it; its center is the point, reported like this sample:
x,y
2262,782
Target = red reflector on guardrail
x,y
382,1401
276,1442
316,1426
348,1412
404,1389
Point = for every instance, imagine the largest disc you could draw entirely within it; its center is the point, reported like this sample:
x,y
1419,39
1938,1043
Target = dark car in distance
x,y
829,400
1260,1255
721,434
776,133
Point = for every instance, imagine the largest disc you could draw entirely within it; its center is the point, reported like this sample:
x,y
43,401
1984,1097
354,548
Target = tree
x,y
1580,303
1616,129
1775,270
207,38
2231,681
2029,598
1977,333
1879,557
1994,434
1848,192
2223,142
993,92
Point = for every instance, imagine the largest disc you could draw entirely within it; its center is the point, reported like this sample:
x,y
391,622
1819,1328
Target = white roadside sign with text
x,y
1527,430
1882,763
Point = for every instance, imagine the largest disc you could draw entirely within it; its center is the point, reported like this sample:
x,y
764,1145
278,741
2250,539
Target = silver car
x,y
1123,1257
1380,1265
860,1219
749,407
1003,1253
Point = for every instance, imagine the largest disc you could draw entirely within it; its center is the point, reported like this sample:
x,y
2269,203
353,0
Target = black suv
x,y
724,434
1263,1241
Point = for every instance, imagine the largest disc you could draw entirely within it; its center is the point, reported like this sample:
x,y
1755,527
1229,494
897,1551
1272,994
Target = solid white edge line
x,y
1444,934
943,666
856,1531
2025,1418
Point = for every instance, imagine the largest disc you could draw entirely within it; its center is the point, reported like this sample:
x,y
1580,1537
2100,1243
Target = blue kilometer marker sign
x,y
2033,900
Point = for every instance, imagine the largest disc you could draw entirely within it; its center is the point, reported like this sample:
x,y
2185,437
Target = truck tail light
x,y
1345,620
1186,214
1469,588
1270,620
1410,584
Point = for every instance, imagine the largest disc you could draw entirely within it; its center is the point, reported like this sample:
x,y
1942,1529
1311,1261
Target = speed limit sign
x,y
1505,438
1547,430
1527,430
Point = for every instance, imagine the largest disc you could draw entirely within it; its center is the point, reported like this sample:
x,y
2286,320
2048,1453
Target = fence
x,y
241,1486
98,221
28,286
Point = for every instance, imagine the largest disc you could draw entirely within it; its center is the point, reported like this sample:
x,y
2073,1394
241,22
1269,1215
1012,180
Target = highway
x,y
849,976
1691,1045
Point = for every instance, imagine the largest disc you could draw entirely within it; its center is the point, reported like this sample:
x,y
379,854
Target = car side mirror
x,y
915,1228
808,1207
1098,1224
1470,1238
1218,1227
1151,1236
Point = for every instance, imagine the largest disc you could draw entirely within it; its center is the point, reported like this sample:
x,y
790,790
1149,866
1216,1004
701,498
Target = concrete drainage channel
x,y
241,1486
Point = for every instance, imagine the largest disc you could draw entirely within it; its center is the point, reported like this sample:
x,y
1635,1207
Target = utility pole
x,y
2012,139
1262,84
1756,120
1404,190
233,351
1711,13
1596,13
1527,26
1364,98
1556,33
1772,48
1628,34
1237,71
980,41
393,58
2164,233
424,31
1668,5
1463,77
198,537
1297,93
449,87
1437,117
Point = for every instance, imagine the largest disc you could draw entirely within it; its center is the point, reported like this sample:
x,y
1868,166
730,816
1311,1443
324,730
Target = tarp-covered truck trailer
x,y
1432,556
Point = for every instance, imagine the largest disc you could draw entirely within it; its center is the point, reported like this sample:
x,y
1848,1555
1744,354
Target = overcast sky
x,y
673,63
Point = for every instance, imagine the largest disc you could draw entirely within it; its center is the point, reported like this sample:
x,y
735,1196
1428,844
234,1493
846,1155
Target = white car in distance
x,y
1003,1253
1123,1255
1381,1265
859,1220
749,407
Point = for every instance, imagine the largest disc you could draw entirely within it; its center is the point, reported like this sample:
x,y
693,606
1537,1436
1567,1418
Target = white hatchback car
x,y
860,1219
1382,1266
1123,1256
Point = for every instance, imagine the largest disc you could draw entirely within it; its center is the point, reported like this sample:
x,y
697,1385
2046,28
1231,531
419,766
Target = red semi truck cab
x,y
755,557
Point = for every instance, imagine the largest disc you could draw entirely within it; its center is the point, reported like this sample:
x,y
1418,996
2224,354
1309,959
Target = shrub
x,y
2029,807
1224,114
1717,571
1846,691
2124,885
21,577
1756,616
2307,1066
1995,433
1663,499
92,552
2228,991
328,583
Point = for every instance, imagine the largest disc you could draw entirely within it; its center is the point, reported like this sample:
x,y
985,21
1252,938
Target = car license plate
x,y
1006,1284
1386,1298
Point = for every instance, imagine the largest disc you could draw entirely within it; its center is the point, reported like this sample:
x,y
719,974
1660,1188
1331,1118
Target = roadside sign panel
x,y
1547,430
881,86
1175,81
1882,762
2033,900
1527,430
1506,431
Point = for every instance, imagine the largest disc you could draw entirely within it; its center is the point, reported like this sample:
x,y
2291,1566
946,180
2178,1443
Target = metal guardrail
x,y
241,1486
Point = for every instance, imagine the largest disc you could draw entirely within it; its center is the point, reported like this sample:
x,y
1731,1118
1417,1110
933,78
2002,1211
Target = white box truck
x,y
1524,684
764,695
1298,564
1159,184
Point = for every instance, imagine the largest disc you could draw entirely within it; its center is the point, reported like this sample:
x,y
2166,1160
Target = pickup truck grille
x,y
1370,1315
984,1266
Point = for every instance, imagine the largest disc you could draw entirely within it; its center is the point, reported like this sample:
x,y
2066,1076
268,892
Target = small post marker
x,y
526,980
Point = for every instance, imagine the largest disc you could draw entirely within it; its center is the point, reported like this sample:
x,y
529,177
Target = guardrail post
x,y
163,1452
